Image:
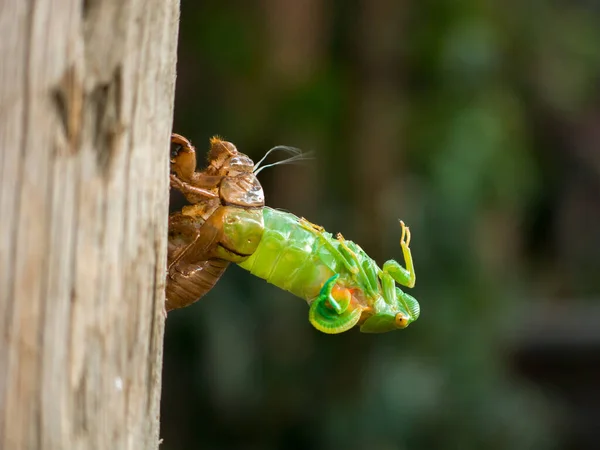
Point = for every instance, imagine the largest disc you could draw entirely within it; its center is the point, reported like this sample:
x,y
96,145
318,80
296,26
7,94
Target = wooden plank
x,y
86,108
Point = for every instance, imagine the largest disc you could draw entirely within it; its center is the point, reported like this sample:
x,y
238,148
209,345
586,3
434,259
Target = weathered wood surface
x,y
86,97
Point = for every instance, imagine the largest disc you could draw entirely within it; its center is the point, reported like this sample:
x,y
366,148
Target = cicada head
x,y
389,314
220,153
242,230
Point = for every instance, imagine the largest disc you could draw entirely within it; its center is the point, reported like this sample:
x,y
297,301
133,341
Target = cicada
x,y
343,286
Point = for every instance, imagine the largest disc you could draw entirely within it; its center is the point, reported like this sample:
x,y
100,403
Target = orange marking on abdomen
x,y
340,293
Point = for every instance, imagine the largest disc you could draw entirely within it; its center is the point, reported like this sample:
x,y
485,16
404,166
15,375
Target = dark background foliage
x,y
478,124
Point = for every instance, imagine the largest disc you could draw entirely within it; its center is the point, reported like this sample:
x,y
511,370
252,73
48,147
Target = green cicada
x,y
342,284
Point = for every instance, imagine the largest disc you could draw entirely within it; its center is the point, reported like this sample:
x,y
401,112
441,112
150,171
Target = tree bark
x,y
86,108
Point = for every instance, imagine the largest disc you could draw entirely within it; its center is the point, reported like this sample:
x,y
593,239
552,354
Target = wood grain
x,y
86,108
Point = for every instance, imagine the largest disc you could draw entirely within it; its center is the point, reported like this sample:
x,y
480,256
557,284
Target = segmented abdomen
x,y
293,256
184,289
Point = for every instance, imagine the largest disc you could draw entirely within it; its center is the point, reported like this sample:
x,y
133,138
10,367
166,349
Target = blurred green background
x,y
478,124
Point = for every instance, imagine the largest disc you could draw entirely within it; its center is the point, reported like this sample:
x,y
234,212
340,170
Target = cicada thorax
x,y
223,222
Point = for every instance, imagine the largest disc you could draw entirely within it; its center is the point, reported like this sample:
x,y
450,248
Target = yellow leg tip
x,y
405,237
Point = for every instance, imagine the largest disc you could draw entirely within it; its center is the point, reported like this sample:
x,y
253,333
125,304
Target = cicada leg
x,y
201,242
193,194
404,276
183,157
346,259
196,186
350,256
307,223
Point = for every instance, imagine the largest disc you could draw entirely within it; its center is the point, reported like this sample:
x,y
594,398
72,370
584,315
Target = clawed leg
x,y
346,258
307,223
350,257
190,191
405,277
196,186
183,157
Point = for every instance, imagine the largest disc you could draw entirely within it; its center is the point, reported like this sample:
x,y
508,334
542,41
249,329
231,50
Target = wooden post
x,y
86,108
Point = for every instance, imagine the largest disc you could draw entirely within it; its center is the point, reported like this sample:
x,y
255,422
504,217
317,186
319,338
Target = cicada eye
x,y
401,320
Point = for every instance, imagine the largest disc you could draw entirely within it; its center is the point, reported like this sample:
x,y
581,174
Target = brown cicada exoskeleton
x,y
226,192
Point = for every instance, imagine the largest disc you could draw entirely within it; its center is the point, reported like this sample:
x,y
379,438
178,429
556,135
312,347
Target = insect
x,y
203,237
343,286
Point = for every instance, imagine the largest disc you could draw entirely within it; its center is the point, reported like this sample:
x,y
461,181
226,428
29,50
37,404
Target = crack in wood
x,y
104,106
68,100
86,6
